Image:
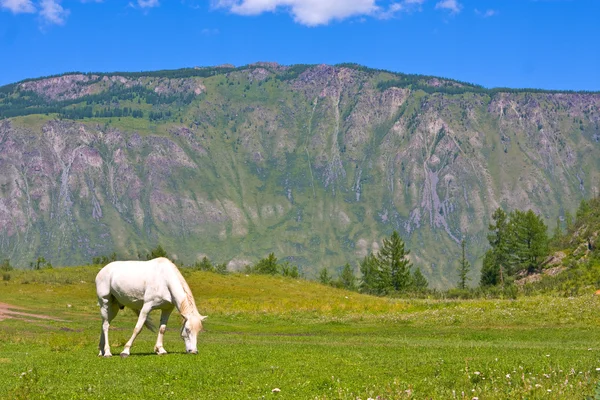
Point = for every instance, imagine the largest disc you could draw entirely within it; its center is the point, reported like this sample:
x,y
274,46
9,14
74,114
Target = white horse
x,y
144,286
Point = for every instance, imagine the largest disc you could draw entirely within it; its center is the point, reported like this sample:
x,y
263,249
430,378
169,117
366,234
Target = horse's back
x,y
130,282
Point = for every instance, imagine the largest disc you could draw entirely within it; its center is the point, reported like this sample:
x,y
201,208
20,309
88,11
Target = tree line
x,y
22,103
518,245
88,112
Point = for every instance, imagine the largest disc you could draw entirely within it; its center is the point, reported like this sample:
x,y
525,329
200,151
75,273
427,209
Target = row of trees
x,y
27,102
88,112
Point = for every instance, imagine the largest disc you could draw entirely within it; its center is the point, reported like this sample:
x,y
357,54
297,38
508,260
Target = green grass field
x,y
309,341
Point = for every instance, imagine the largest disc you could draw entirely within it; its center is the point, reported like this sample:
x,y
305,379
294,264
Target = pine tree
x,y
419,282
394,264
156,252
490,270
583,210
499,239
528,240
324,277
370,274
204,265
267,265
557,231
463,268
568,221
347,279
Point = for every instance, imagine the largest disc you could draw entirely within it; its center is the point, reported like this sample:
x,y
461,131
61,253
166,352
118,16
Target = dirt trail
x,y
8,311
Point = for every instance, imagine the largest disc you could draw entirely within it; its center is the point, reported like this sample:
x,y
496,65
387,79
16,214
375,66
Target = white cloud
x,y
451,5
148,3
18,6
306,12
210,31
52,12
487,13
406,6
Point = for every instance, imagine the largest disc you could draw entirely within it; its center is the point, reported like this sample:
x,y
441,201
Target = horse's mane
x,y
188,305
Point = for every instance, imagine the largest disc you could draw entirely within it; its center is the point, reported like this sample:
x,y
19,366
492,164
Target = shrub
x,y
5,265
158,251
204,265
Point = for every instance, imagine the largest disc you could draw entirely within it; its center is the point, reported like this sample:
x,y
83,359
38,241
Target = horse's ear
x,y
203,317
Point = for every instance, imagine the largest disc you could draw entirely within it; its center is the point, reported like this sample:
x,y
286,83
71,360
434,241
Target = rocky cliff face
x,y
314,163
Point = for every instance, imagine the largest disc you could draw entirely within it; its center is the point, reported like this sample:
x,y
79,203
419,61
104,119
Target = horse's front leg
x,y
164,318
138,327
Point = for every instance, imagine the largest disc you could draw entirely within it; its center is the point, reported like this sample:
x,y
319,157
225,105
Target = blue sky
x,y
550,44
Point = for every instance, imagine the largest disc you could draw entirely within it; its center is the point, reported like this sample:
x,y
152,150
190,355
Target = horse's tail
x,y
148,322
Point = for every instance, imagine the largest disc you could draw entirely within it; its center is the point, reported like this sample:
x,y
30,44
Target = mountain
x,y
315,163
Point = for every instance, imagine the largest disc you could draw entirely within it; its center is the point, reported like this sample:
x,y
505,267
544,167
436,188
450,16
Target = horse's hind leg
x,y
108,310
138,327
164,318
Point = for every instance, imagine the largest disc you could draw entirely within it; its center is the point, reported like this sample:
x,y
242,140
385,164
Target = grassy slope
x,y
308,340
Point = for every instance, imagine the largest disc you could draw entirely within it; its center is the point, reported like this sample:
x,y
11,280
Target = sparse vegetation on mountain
x,y
313,162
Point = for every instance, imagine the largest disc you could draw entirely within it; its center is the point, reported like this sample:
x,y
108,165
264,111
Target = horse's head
x,y
189,332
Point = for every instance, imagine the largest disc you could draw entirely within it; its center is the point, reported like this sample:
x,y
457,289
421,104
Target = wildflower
x,y
508,376
477,373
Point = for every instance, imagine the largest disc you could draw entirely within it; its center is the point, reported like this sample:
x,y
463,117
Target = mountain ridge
x,y
193,72
316,163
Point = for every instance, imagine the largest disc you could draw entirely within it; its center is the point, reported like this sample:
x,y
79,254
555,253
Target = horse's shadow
x,y
133,355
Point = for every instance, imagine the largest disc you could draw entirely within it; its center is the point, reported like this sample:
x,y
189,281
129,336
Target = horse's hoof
x,y
106,355
124,355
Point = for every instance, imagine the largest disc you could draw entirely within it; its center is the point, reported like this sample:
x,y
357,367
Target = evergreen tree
x,y
221,268
267,265
419,282
347,280
529,240
463,268
557,231
369,274
394,266
324,277
289,270
490,270
583,210
568,221
499,239
158,251
204,265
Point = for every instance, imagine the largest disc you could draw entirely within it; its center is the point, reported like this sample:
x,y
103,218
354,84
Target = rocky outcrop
x,y
316,163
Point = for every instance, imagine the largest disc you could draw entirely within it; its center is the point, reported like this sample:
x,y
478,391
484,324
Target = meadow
x,y
307,340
